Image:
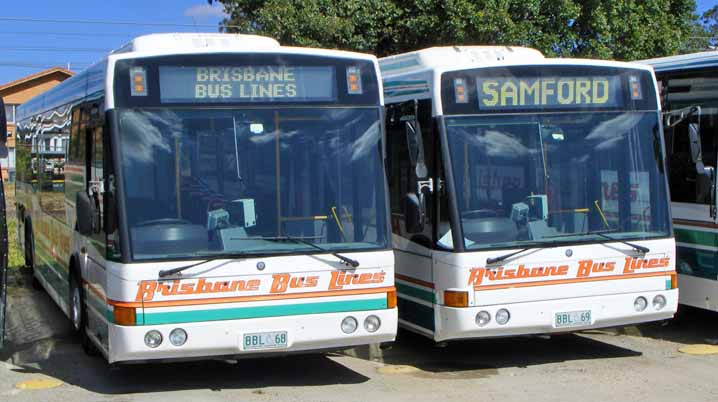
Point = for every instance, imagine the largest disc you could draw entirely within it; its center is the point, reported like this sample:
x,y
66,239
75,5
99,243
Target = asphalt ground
x,y
43,361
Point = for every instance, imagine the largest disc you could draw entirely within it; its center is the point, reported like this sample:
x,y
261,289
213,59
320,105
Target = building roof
x,y
36,76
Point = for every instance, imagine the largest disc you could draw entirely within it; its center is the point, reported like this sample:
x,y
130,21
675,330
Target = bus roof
x,y
97,78
415,75
438,57
684,62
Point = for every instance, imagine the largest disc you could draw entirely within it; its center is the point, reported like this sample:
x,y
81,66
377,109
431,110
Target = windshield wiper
x,y
173,271
494,260
346,260
637,247
602,233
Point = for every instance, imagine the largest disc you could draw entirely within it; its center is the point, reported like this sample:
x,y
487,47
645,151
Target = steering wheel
x,y
165,221
479,214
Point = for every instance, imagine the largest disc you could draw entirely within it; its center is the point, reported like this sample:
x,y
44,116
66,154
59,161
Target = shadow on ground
x,y
690,326
480,358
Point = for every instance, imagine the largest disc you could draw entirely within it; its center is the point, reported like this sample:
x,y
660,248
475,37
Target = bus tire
x,y
30,257
78,313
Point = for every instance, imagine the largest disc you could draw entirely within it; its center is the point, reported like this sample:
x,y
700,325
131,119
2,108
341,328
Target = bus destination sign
x,y
265,83
549,92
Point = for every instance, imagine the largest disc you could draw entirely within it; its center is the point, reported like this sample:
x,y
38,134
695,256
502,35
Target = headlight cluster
x,y
641,303
350,324
154,338
483,317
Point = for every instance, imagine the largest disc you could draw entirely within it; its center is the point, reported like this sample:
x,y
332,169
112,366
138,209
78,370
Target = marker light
x,y
138,81
659,302
391,299
124,315
636,93
178,337
372,323
349,325
640,303
483,318
460,90
674,280
153,339
455,298
502,316
354,81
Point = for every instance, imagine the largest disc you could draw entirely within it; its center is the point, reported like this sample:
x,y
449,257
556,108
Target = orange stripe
x,y
218,300
414,280
564,281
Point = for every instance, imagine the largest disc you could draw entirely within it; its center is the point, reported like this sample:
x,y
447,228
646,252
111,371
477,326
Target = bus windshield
x,y
200,182
545,177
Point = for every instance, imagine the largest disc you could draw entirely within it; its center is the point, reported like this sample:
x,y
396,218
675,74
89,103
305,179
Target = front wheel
x,y
78,315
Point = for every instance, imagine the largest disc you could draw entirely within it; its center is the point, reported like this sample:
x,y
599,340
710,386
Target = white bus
x,y
689,96
196,195
528,195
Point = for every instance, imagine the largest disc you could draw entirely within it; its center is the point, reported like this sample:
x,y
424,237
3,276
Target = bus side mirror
x,y
3,130
110,217
416,148
413,213
86,213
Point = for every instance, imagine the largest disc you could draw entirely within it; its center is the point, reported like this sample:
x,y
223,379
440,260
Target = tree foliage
x,y
608,29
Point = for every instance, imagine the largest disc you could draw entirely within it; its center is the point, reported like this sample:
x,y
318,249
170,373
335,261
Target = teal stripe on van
x,y
696,237
176,317
408,290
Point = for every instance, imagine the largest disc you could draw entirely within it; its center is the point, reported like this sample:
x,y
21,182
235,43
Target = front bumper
x,y
224,338
538,317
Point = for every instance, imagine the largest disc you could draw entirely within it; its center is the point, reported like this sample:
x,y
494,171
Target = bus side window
x,y
76,159
51,147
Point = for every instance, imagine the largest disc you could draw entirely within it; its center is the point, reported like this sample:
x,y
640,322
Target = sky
x,y
28,46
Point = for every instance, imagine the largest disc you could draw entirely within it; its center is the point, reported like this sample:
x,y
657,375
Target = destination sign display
x,y
549,92
238,84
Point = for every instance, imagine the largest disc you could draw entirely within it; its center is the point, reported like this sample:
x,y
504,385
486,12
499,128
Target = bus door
x,y
3,227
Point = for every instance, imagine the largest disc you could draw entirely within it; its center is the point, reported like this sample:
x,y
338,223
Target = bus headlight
x,y
349,325
640,303
153,339
659,302
372,323
178,337
483,318
502,316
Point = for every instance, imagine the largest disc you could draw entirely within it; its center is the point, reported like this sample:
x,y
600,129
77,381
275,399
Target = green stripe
x,y
696,237
391,84
174,317
401,93
418,293
415,313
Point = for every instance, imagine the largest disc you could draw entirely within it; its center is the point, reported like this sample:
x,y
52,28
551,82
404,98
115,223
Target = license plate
x,y
572,319
264,340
